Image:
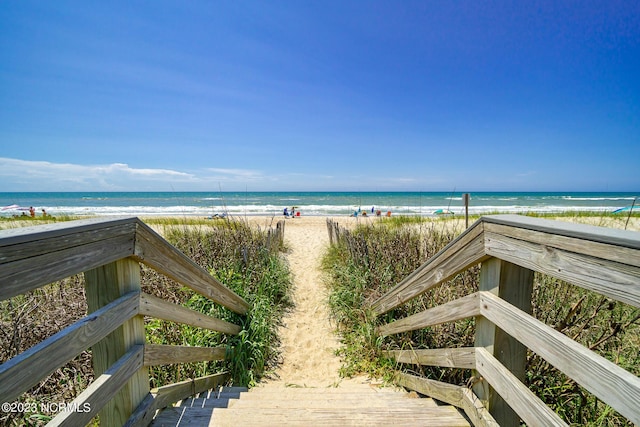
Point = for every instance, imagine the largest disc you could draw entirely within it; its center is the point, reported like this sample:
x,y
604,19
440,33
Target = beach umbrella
x,y
443,212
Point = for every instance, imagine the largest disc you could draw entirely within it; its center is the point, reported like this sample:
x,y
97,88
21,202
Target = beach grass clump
x,y
364,265
245,260
371,259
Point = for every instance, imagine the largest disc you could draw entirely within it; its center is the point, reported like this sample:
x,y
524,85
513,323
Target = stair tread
x,y
357,416
359,404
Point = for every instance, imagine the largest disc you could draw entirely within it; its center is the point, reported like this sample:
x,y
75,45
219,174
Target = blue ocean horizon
x,y
315,203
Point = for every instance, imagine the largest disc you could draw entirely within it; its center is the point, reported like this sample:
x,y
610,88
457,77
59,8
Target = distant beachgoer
x,y
372,209
293,212
44,213
286,213
32,211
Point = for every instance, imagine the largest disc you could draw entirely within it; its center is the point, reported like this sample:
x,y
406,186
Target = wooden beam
x,y
610,236
161,309
608,251
164,396
27,274
156,354
88,403
28,368
460,308
462,358
102,285
27,242
526,404
609,382
614,280
157,253
178,391
463,252
457,396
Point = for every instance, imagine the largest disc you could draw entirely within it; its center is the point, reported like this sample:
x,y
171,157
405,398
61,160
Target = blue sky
x,y
320,95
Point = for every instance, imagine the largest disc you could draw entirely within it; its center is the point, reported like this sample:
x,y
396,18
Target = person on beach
x,y
286,212
32,211
44,213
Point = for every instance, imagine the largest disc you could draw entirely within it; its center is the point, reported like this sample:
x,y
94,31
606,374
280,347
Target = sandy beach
x,y
308,338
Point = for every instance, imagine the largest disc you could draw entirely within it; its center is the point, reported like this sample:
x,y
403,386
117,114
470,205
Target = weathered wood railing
x,y
510,248
109,253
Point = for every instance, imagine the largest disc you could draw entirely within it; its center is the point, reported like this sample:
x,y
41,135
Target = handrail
x,y
108,252
510,248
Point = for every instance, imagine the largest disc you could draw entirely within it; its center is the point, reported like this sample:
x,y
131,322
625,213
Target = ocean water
x,y
308,203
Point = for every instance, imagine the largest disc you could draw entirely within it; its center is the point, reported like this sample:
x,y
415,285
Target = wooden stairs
x,y
277,404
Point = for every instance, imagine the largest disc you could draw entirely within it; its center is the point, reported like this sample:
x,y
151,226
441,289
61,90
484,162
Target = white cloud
x,y
28,175
236,173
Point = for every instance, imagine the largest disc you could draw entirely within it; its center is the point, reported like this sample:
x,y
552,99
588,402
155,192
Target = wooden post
x,y
103,285
466,198
513,284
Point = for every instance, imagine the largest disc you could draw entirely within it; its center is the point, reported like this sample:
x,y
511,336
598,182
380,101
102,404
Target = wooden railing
x,y
109,253
510,249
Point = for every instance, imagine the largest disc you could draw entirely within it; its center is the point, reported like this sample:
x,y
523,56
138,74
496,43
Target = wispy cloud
x,y
29,175
236,173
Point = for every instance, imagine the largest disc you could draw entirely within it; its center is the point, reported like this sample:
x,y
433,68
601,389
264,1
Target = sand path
x,y
308,338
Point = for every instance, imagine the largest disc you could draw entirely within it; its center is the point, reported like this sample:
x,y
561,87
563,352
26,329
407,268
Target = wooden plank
x,y
452,394
326,400
606,251
65,234
27,274
144,413
523,401
102,285
161,309
101,391
463,252
485,330
28,368
460,308
463,358
433,417
476,411
606,380
448,393
611,236
157,253
157,354
614,280
174,392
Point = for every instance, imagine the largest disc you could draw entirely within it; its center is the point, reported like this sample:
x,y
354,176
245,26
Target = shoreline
x,y
609,220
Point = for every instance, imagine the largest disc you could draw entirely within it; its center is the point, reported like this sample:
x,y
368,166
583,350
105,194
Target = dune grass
x,y
238,256
373,258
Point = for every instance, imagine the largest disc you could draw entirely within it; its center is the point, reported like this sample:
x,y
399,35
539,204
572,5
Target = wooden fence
x,y
109,253
510,249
